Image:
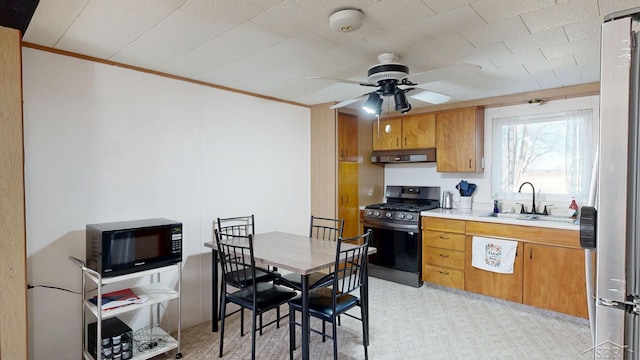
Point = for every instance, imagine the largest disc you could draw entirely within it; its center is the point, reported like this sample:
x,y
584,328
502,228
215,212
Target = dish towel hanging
x,y
493,254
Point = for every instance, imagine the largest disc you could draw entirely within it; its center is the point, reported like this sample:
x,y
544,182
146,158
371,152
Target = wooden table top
x,y
297,253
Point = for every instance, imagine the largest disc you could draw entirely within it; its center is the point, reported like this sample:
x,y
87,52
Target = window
x,y
554,151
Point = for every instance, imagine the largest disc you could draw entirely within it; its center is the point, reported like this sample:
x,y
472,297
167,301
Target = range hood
x,y
403,156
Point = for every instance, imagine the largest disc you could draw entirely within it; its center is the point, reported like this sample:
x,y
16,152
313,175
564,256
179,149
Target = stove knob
x,y
377,213
389,214
409,216
401,216
369,212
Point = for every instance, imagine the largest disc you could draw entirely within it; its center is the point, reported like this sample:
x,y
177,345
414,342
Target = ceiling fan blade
x,y
458,71
340,80
431,97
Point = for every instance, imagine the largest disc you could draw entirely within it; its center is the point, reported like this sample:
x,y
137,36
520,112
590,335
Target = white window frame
x,y
558,202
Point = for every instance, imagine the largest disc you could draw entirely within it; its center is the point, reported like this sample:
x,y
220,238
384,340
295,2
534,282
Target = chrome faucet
x,y
533,190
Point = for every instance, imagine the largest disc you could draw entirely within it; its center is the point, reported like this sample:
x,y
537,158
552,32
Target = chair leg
x,y
292,332
335,339
260,324
222,308
278,317
253,333
241,321
324,331
365,333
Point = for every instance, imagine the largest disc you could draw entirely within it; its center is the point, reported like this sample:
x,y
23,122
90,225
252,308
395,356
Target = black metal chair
x,y
243,226
238,265
320,228
327,303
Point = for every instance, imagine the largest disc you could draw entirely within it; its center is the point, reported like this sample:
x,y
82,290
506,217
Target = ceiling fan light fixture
x,y
402,105
346,20
388,87
373,104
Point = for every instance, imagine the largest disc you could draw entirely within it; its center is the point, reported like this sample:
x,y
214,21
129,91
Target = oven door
x,y
398,246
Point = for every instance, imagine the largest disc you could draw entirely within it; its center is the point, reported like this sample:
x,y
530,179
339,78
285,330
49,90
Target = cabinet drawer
x,y
443,240
441,224
443,276
444,257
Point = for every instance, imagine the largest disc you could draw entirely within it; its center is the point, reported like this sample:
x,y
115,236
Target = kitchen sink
x,y
532,217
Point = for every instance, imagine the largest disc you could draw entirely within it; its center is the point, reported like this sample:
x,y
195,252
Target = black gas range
x,y
396,234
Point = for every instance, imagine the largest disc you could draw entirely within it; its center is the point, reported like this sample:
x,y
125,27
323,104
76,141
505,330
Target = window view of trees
x,y
552,151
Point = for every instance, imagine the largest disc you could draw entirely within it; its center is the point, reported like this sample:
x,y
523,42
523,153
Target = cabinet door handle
x,y
341,200
443,255
397,142
530,253
405,141
347,199
346,153
444,237
469,163
443,272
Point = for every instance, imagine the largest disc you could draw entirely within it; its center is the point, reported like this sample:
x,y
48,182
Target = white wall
x,y
103,143
425,174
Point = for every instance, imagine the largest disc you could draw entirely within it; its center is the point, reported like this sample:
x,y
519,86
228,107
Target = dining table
x,y
300,254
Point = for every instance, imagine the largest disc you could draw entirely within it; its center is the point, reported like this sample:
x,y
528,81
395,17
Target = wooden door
x,y
554,279
459,140
347,137
419,131
383,140
348,197
502,286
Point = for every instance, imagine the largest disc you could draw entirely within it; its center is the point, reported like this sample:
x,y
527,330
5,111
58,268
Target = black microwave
x,y
123,247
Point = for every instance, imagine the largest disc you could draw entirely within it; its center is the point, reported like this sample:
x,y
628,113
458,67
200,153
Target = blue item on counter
x,y
465,188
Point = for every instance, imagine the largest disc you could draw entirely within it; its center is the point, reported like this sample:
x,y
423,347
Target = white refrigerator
x,y
612,226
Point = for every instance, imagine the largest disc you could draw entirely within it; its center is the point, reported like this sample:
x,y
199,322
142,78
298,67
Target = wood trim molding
x,y
13,254
323,163
154,72
566,92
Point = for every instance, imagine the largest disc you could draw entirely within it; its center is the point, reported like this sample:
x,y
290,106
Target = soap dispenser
x,y
574,209
496,210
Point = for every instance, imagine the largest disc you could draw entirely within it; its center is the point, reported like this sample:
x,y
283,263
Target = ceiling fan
x,y
391,79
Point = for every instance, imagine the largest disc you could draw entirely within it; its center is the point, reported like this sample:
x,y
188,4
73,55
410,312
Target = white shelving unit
x,y
155,293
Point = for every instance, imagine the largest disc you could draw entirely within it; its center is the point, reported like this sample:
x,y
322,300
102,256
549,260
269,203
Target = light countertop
x,y
511,219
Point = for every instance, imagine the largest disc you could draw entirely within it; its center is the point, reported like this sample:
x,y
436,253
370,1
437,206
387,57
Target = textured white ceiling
x,y
271,47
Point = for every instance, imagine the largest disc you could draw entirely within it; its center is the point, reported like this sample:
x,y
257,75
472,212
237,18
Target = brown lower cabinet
x,y
443,250
554,279
501,286
548,270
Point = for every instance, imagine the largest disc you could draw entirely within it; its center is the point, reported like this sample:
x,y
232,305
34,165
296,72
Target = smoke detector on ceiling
x,y
346,20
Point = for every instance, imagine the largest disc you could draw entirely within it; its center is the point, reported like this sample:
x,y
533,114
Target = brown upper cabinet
x,y
347,137
407,132
387,140
460,140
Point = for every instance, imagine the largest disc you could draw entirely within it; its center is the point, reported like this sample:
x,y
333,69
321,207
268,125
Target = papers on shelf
x,y
119,298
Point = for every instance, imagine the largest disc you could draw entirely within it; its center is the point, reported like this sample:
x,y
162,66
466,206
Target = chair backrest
x,y
325,228
239,225
236,258
351,264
